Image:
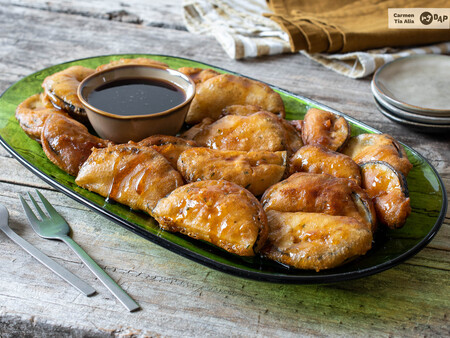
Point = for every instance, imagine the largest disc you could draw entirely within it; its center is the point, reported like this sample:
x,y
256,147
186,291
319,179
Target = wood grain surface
x,y
180,297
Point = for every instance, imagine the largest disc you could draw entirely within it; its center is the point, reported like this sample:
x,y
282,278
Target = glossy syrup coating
x,y
254,170
61,88
216,211
132,175
321,193
220,91
324,128
315,241
388,190
68,143
320,160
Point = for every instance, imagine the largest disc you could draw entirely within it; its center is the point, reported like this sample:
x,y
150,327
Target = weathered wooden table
x,y
180,297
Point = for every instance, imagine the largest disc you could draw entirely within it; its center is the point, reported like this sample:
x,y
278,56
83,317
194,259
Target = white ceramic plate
x,y
419,83
404,114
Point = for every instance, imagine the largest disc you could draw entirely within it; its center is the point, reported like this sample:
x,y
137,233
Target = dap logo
x,y
427,18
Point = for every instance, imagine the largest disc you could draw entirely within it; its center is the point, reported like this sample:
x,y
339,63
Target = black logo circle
x,y
426,18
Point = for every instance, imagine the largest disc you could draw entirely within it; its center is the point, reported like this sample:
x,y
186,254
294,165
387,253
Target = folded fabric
x,y
239,26
243,32
345,26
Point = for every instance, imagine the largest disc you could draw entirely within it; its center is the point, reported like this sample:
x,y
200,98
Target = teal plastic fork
x,y
53,226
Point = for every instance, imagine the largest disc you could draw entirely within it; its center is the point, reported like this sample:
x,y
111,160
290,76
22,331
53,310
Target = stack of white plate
x,y
415,91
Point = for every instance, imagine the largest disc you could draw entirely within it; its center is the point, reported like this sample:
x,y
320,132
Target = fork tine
x,y
31,216
38,208
51,211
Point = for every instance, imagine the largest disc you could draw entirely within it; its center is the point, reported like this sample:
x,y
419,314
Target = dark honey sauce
x,y
136,96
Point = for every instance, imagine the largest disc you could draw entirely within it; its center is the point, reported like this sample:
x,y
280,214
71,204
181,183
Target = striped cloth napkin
x,y
243,32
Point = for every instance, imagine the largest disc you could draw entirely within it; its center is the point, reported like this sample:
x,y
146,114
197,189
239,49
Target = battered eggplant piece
x,y
315,241
32,114
136,61
378,147
321,193
324,128
68,143
132,175
389,192
61,89
319,160
170,147
293,137
225,90
254,170
219,212
261,131
198,75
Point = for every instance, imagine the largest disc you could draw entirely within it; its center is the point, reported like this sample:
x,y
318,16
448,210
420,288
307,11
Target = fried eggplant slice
x,y
320,160
293,137
261,131
388,190
198,75
32,113
320,193
136,61
225,90
254,170
324,128
68,143
219,212
61,89
170,147
315,241
132,175
378,147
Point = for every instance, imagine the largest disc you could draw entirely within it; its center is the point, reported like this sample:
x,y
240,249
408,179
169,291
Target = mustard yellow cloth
x,y
330,26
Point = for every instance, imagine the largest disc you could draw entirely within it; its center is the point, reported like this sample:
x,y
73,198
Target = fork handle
x,y
62,272
112,286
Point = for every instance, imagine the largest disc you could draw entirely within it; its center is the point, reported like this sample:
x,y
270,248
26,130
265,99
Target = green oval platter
x,y
390,247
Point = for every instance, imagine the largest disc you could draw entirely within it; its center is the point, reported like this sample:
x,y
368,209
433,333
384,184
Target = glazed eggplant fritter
x,y
32,114
315,241
319,160
68,143
324,128
388,190
61,88
217,211
133,175
293,138
223,90
254,170
378,147
256,132
321,193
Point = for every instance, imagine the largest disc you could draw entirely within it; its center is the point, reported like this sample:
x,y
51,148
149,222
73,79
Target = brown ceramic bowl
x,y
121,129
